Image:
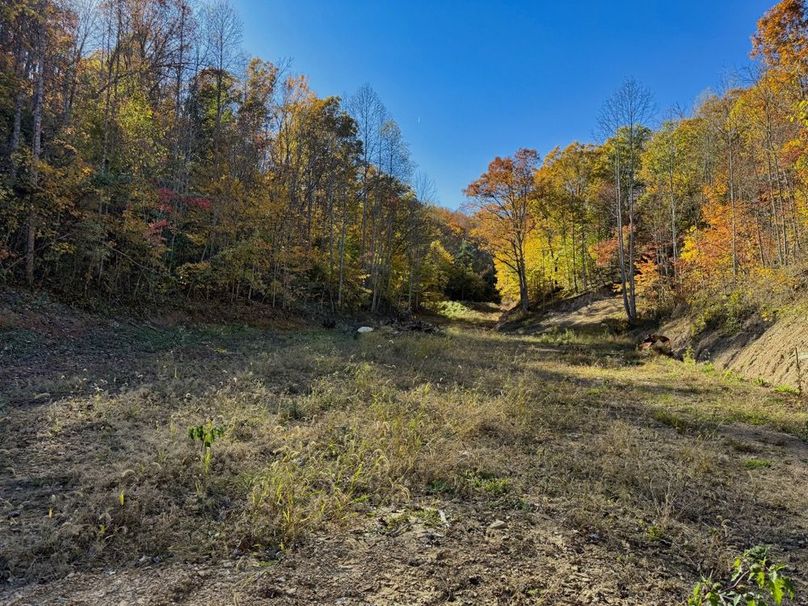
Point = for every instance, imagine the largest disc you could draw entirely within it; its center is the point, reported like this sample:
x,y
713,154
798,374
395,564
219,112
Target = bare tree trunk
x,y
574,259
732,212
19,101
178,100
15,131
632,237
674,236
519,254
36,145
342,255
584,268
621,252
632,232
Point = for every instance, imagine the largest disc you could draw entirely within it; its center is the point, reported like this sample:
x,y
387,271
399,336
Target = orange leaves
x,y
604,252
651,285
725,245
505,177
500,201
782,33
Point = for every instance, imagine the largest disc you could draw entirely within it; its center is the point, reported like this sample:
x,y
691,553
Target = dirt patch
x,y
593,312
760,350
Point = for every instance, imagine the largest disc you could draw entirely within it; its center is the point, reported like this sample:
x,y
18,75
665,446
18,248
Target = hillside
x,y
467,467
758,350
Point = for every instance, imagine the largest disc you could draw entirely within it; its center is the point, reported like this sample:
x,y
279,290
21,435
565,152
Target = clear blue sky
x,y
468,80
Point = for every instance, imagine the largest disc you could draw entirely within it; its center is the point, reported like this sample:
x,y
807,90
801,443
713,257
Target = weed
x,y
755,463
206,434
787,389
655,533
488,484
754,582
707,368
439,486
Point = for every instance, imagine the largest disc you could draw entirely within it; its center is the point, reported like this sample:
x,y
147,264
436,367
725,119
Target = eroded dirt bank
x,y
759,350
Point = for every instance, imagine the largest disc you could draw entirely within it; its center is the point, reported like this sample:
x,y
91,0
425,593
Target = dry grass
x,y
322,432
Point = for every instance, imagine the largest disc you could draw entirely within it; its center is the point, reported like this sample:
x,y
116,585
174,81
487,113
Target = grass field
x,y
468,467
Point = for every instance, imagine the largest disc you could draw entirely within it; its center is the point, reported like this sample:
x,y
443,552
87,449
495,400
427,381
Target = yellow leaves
x,y
715,192
440,254
135,116
194,274
690,249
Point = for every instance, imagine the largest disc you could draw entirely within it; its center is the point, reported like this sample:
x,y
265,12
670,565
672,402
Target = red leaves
x,y
198,202
166,194
171,201
157,226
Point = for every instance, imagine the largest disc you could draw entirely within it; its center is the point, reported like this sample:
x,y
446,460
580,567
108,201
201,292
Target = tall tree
x,y
624,116
501,200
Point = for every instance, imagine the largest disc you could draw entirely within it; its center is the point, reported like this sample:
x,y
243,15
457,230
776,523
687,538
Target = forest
x,y
248,356
145,158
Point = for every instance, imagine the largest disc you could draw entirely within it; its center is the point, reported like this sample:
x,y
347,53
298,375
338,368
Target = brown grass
x,y
323,432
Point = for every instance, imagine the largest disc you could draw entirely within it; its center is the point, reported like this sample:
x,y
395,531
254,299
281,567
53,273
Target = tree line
x,y
706,207
144,158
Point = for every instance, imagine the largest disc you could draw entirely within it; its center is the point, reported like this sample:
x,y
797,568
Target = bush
x,y
727,314
755,582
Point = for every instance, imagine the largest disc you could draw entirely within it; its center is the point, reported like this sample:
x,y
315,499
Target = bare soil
x,y
757,350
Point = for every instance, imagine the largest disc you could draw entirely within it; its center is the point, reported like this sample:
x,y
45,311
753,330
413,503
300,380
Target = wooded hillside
x,y
707,208
144,157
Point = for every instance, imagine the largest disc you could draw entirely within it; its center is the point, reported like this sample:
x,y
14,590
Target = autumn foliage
x,y
146,160
706,206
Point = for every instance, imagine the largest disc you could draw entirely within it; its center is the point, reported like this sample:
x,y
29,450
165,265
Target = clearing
x,y
545,465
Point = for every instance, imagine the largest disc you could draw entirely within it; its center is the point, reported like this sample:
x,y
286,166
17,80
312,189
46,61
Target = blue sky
x,y
468,80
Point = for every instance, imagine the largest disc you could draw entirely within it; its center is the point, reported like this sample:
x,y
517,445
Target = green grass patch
x,y
755,463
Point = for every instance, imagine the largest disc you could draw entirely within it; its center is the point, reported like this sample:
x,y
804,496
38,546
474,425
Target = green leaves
x,y
207,434
754,582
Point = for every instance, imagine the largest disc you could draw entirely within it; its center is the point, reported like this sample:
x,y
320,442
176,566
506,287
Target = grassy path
x,y
471,467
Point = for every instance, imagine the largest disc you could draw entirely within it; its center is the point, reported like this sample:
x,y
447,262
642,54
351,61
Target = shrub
x,y
726,314
755,582
206,433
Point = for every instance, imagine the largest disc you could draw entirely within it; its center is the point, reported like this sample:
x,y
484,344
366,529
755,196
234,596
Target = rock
x,y
496,524
443,518
364,329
